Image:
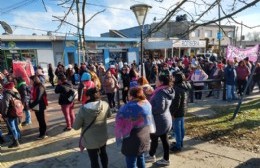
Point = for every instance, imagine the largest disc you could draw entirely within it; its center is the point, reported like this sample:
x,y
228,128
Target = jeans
x,y
93,155
41,120
165,143
135,161
111,100
13,122
68,113
231,95
179,131
27,116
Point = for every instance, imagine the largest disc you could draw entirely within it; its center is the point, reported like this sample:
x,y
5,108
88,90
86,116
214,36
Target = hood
x,y
92,107
169,92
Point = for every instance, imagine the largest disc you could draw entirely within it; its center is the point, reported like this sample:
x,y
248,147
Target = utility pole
x,y
219,31
241,35
79,34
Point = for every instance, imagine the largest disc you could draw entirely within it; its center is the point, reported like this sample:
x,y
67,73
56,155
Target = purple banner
x,y
240,54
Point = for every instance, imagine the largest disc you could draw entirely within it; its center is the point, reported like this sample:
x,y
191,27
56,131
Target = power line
x,y
117,8
30,28
17,5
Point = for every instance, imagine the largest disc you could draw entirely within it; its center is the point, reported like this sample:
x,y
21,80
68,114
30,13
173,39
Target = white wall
x,y
44,57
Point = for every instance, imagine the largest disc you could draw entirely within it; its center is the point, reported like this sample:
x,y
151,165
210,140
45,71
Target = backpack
x,y
16,108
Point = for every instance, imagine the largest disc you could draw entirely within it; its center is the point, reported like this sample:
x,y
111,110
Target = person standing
x,y
38,104
230,76
161,100
126,84
242,76
64,88
6,108
95,111
84,85
256,77
198,75
50,74
110,86
178,109
25,92
132,128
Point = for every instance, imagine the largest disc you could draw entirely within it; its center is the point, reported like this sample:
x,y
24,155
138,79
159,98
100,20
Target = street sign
x,y
219,35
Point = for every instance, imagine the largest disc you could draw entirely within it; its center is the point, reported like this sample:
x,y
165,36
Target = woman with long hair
x,y
38,104
132,128
161,100
64,88
50,74
95,111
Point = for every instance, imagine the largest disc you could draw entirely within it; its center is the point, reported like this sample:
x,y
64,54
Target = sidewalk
x,y
61,150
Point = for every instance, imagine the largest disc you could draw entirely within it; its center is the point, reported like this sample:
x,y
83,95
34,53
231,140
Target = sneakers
x,y
26,123
163,162
66,129
42,137
149,158
15,144
174,149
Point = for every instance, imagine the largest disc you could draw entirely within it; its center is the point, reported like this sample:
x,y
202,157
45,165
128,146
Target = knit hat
x,y
85,76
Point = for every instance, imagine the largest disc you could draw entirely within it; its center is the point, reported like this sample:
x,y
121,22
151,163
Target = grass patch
x,y
243,132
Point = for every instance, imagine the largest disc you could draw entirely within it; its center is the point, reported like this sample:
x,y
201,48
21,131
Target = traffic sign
x,y
219,35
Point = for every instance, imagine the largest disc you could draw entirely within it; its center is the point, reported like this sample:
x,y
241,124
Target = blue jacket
x,y
230,75
161,103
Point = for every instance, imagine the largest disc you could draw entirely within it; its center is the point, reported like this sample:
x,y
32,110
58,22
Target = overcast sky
x,y
29,16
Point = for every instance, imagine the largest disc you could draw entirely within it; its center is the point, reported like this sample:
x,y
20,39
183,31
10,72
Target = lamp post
x,y
140,11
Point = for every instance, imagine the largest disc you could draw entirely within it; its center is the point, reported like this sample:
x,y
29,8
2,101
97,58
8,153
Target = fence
x,y
192,91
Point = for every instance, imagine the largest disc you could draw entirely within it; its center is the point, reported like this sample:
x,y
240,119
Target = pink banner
x,y
23,69
240,54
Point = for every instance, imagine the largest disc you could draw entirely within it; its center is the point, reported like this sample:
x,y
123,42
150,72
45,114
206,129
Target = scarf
x,y
157,90
135,114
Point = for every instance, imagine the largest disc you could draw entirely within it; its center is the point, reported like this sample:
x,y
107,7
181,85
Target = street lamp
x,y
140,11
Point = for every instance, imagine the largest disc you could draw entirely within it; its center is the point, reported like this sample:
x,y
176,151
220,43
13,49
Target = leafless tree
x,y
75,7
202,9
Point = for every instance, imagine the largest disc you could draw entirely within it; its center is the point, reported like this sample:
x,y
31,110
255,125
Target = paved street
x,y
60,149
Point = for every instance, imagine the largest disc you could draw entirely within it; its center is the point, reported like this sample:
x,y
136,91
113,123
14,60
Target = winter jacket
x,y
96,136
110,84
161,110
6,105
83,87
40,96
199,75
230,75
179,104
24,92
126,80
242,72
63,89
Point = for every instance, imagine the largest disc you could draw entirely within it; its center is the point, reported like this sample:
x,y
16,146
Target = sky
x,y
29,16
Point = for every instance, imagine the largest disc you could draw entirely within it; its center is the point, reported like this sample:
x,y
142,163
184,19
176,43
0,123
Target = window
x,y
208,33
195,33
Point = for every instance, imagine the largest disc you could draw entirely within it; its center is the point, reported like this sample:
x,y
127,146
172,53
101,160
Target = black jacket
x,y
126,80
40,93
24,91
63,90
179,104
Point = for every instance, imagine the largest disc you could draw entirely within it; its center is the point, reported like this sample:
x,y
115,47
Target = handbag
x,y
81,147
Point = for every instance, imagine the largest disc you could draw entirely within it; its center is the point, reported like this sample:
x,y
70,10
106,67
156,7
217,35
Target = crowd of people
x,y
154,104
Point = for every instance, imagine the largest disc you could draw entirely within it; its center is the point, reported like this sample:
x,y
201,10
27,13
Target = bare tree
x,y
73,7
200,11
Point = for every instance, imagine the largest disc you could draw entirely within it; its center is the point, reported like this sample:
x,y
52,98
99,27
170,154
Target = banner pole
x,y
247,85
